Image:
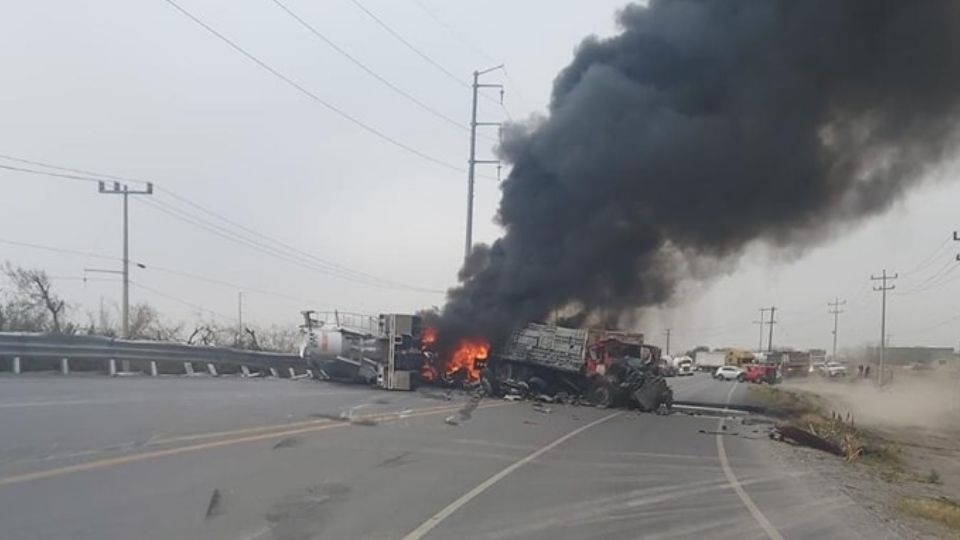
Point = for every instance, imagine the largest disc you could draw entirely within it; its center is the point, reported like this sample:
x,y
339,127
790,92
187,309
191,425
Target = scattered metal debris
x,y
540,408
213,507
396,461
803,437
288,442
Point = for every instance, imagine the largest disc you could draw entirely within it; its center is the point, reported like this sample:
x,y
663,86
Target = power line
x,y
272,251
301,253
153,267
273,71
928,259
367,69
409,45
57,250
334,267
516,88
99,176
932,280
47,173
456,34
181,300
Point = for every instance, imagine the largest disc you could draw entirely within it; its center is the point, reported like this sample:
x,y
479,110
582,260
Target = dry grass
x,y
807,411
785,403
940,510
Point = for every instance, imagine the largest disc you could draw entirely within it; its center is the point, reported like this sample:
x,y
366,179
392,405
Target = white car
x,y
834,369
728,373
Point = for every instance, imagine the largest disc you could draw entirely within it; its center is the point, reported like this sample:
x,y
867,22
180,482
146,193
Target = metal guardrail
x,y
27,346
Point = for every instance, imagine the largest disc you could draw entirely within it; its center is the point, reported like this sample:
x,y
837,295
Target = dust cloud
x,y
928,399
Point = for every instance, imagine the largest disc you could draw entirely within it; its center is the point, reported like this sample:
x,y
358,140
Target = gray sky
x,y
137,89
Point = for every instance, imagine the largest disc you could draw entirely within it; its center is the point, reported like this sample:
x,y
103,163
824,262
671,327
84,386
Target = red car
x,y
760,373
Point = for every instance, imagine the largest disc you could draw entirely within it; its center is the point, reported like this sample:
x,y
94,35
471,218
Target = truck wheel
x,y
601,394
489,385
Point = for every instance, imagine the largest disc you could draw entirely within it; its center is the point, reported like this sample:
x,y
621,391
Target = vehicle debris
x,y
540,408
555,364
787,432
213,507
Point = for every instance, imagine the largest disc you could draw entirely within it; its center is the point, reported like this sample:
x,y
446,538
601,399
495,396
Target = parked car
x,y
728,373
834,369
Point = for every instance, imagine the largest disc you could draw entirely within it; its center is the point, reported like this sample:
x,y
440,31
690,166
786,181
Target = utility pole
x,y
667,332
883,288
472,163
125,191
763,311
771,322
836,311
240,315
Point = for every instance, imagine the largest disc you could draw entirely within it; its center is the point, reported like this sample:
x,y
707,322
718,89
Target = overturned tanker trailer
x,y
385,351
608,368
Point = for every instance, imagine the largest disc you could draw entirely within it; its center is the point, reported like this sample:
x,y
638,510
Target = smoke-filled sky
x,y
139,90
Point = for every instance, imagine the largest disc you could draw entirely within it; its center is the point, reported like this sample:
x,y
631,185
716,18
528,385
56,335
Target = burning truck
x,y
391,351
400,352
608,368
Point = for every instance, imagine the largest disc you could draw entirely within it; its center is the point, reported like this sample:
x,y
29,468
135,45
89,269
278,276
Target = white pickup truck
x,y
834,369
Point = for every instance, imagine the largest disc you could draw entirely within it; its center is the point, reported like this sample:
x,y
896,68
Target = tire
x,y
740,378
490,386
602,394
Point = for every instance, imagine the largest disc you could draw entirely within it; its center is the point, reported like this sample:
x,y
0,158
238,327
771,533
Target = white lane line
x,y
761,519
438,518
117,401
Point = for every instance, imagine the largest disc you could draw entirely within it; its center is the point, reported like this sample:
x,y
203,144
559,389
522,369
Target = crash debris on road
x,y
539,362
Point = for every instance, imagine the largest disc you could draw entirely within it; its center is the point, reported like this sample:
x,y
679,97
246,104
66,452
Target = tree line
x,y
30,303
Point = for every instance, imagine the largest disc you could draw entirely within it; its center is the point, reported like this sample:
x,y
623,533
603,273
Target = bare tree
x,y
279,338
32,306
146,323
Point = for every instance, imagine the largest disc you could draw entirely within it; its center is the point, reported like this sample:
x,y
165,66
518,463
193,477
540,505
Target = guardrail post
x,y
64,366
188,368
212,369
112,367
273,372
16,365
293,374
309,373
244,371
153,368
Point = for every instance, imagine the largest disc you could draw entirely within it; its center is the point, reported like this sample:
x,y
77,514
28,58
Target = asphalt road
x,y
100,458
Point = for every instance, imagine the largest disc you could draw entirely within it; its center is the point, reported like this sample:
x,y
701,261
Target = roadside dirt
x,y
914,428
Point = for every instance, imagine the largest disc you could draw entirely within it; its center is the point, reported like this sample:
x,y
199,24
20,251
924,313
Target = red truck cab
x,y
761,373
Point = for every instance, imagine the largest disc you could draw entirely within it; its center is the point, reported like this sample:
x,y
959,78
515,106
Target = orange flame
x,y
466,356
428,338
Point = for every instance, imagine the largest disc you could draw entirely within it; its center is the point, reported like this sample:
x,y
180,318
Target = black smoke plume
x,y
703,126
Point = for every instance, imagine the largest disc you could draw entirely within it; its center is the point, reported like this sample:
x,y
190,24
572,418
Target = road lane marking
x,y
758,516
122,460
446,512
115,401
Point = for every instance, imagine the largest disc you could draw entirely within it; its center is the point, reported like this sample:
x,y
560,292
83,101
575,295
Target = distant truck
x,y
791,363
682,365
739,357
610,368
710,360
